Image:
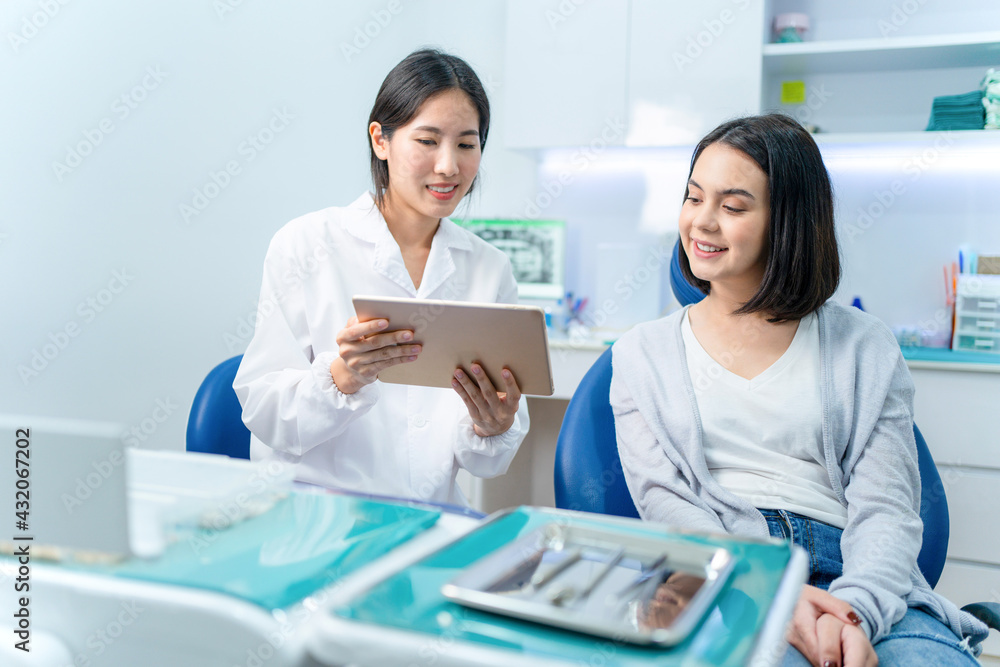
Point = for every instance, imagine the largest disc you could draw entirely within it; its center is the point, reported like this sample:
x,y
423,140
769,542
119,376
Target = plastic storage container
x,y
173,493
977,314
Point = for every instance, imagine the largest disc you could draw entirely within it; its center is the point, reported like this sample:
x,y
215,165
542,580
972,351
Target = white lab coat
x,y
385,438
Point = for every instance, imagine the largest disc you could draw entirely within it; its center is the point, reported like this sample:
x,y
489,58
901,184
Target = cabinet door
x,y
692,65
565,73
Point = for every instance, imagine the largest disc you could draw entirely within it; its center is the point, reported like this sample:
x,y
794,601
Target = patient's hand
x,y
825,630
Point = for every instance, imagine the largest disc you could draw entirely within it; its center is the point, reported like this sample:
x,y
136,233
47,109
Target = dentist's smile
x,y
443,192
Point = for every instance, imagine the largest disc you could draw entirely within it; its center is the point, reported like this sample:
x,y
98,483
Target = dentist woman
x,y
308,382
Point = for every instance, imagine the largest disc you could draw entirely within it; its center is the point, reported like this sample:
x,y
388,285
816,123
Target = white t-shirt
x,y
763,437
385,438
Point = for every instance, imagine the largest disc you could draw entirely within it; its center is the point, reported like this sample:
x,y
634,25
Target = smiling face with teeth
x,y
432,160
724,221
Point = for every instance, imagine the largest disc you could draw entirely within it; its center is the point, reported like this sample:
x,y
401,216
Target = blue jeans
x,y
917,639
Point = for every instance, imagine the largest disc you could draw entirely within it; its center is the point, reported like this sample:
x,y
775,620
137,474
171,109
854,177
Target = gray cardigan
x,y
868,444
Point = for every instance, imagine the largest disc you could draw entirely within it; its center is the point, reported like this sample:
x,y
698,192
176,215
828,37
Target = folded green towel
x,y
958,112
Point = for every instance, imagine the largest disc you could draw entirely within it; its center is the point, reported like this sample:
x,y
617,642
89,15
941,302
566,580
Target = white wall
x,y
178,294
222,71
903,211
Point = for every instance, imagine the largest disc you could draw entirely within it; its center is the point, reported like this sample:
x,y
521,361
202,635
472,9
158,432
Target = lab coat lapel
x,y
448,239
370,227
389,261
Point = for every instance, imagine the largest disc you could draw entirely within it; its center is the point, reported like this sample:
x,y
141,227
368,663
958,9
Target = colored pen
x,y
954,283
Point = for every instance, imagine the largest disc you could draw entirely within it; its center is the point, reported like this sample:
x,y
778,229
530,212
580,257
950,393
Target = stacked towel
x,y
958,112
991,99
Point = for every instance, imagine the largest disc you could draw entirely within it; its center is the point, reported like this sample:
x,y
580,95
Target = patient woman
x,y
766,409
308,382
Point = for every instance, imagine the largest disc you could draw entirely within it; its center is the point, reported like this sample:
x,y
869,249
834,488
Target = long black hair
x,y
803,260
416,78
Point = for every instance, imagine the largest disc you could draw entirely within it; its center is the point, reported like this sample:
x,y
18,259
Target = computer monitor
x,y
64,487
537,252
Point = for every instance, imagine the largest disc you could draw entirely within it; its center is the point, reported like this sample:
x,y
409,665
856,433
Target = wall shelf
x,y
970,138
979,49
971,149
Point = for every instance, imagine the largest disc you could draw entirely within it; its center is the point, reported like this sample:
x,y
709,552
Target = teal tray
x,y
946,355
411,600
305,542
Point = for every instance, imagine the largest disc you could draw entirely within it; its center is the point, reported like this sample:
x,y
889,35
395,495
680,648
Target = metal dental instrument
x,y
643,577
569,593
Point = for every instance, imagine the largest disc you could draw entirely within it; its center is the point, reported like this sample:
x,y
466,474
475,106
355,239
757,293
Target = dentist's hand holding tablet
x,y
364,352
492,413
366,349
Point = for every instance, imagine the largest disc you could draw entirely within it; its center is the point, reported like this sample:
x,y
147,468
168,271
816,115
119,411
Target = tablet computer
x,y
456,333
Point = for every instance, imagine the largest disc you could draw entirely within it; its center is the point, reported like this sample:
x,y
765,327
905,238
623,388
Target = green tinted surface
x,y
502,222
305,542
412,600
941,354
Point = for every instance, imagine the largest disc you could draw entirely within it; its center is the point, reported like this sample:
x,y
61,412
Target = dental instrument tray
x,y
640,589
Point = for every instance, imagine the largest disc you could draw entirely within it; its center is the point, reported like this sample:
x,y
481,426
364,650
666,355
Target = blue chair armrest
x,y
987,612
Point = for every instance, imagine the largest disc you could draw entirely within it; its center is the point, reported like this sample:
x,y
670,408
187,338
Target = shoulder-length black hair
x,y
417,77
803,261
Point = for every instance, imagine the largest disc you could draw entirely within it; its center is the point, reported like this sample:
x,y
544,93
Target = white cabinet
x,y
691,67
956,412
564,73
628,72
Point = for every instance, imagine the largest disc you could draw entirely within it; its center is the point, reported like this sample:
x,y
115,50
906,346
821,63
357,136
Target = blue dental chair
x,y
589,476
215,424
